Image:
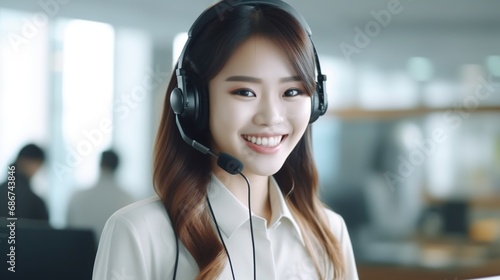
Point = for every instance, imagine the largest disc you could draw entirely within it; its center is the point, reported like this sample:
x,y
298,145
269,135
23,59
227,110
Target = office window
x,y
24,101
82,101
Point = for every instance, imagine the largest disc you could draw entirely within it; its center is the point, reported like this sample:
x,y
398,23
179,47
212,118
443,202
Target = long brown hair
x,y
182,174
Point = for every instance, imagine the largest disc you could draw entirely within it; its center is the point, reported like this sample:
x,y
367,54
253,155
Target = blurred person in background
x,y
91,208
28,205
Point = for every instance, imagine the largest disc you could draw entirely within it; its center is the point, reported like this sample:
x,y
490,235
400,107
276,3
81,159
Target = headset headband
x,y
218,10
221,7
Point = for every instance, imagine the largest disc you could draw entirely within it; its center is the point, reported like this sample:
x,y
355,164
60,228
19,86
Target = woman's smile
x,y
264,144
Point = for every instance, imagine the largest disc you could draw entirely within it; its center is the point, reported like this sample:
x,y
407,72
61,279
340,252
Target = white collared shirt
x,y
138,243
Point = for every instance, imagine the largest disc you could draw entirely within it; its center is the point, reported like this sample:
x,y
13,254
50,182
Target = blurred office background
x,y
408,153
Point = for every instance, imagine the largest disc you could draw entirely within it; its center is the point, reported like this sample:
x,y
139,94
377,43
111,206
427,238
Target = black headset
x,y
190,101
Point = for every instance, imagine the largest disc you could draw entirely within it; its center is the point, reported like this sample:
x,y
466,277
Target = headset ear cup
x,y
315,106
203,110
177,101
196,114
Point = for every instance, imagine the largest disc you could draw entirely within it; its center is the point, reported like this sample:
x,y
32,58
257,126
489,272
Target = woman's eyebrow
x,y
243,79
291,79
258,80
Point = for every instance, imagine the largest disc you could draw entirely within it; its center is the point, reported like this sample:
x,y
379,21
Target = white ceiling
x,y
451,32
321,14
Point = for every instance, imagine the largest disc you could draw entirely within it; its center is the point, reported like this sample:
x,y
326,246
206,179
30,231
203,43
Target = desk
x,y
377,272
436,258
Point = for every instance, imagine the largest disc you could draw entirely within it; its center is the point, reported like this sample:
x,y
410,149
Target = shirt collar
x,y
231,214
280,209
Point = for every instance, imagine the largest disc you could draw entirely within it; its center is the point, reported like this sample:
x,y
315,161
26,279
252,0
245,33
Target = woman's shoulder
x,y
138,241
142,215
339,230
153,203
145,222
337,223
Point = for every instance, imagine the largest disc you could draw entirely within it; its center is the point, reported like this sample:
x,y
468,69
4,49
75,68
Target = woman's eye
x,y
293,92
244,92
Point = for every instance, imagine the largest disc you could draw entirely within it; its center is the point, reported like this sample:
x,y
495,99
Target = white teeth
x,y
264,141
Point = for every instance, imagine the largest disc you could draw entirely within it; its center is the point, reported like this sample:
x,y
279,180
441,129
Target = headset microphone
x,y
225,161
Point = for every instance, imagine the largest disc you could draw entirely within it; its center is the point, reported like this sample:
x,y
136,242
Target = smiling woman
x,y
245,90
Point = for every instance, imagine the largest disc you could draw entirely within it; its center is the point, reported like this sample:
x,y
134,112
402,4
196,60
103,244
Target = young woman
x,y
244,92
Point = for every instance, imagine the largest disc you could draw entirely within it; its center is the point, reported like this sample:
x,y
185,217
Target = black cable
x,y
220,236
176,254
251,226
176,246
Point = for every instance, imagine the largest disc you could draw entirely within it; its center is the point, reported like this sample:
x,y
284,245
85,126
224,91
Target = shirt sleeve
x,y
350,263
120,255
339,230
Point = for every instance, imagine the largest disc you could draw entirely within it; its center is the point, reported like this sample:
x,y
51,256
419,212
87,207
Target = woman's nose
x,y
270,112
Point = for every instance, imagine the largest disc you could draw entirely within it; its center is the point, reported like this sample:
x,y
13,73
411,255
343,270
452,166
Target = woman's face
x,y
259,108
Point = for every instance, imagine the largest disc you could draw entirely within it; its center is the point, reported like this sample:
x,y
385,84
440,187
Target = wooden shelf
x,y
360,113
371,272
491,202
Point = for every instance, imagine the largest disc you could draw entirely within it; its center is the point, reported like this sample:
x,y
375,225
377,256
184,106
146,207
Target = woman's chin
x,y
264,169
